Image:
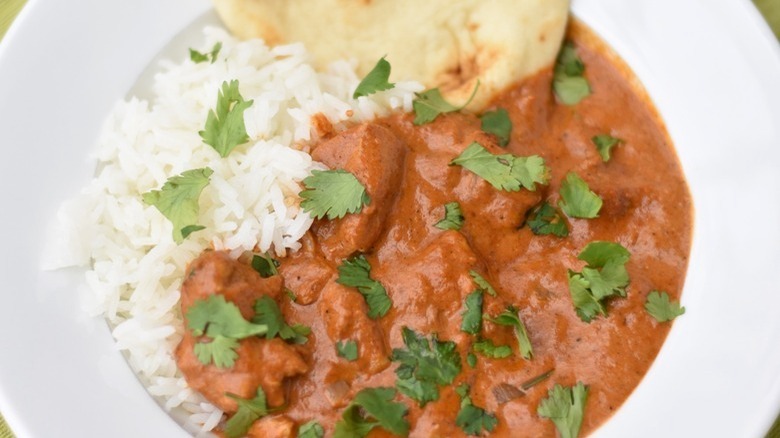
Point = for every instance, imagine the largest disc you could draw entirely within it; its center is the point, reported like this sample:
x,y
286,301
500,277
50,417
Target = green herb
x,y
565,407
347,349
486,348
333,193
471,359
530,383
545,219
267,313
498,123
265,265
424,365
661,308
198,57
373,407
569,83
225,128
312,429
290,294
248,412
482,283
511,317
430,104
506,171
577,200
356,272
221,321
453,217
604,144
375,80
472,419
177,200
604,276
472,313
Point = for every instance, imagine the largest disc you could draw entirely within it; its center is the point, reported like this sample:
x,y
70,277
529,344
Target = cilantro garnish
x,y
471,359
347,349
356,272
375,80
221,321
506,171
487,348
425,365
604,276
453,217
198,57
290,294
177,200
312,429
472,419
545,219
430,104
265,265
267,313
482,283
373,407
333,193
511,317
661,308
577,200
472,313
604,144
225,128
533,381
248,412
565,407
569,83
498,123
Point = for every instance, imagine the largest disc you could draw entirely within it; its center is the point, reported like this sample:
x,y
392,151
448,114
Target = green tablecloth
x,y
9,9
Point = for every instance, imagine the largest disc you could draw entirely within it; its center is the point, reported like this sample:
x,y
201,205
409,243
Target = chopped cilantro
x,y
356,272
430,104
604,144
506,171
347,349
471,359
511,317
424,365
453,217
487,348
604,276
577,200
265,265
569,83
267,313
565,407
471,419
248,412
177,200
312,429
372,407
198,57
661,308
221,351
333,193
482,283
545,219
290,294
375,80
225,127
472,313
498,123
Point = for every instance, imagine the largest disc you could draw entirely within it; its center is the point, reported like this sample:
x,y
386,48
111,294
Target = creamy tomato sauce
x,y
406,171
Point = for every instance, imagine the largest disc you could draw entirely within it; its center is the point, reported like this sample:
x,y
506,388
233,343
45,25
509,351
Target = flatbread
x,y
441,43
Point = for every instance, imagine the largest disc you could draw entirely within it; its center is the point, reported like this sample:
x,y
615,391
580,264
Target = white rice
x,y
135,269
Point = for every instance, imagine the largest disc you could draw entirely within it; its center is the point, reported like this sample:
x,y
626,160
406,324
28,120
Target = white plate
x,y
712,68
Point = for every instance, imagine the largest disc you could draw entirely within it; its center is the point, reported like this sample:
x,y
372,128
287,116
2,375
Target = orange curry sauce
x,y
647,208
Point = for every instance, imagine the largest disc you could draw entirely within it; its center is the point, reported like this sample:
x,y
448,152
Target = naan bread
x,y
441,43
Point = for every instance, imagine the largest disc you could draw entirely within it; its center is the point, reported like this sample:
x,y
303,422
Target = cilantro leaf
x,y
430,104
453,217
372,407
471,419
604,276
546,220
424,365
347,349
598,253
225,128
661,308
472,314
482,283
221,351
565,406
248,412
333,193
487,348
267,313
569,83
586,305
506,171
471,359
312,429
577,200
375,80
265,265
355,272
177,200
498,123
511,317
604,144
198,57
